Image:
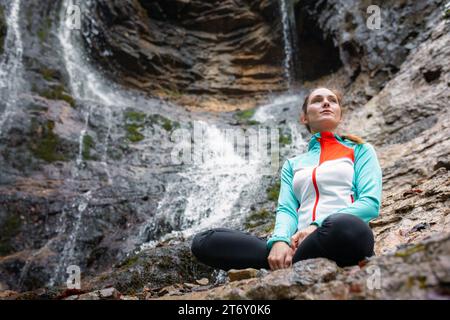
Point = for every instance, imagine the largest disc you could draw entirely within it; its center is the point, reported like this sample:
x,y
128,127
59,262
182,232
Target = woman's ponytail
x,y
354,138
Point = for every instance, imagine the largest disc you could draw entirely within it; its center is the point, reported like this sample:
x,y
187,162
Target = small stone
x,y
190,285
129,298
165,290
178,286
7,293
241,274
89,296
148,296
201,288
202,281
109,293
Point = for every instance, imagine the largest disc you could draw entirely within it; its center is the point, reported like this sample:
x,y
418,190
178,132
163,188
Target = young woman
x,y
327,197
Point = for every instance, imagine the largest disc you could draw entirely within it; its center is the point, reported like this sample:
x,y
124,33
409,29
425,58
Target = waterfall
x,y
85,83
11,63
214,193
210,191
288,22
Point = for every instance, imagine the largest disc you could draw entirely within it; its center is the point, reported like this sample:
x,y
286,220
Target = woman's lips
x,y
325,112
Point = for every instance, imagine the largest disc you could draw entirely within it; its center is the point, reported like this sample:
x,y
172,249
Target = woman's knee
x,y
350,230
200,241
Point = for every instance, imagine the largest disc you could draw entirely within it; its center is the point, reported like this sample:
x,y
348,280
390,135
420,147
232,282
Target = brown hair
x,y
339,97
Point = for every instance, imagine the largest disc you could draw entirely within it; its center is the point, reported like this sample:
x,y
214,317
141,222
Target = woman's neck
x,y
332,131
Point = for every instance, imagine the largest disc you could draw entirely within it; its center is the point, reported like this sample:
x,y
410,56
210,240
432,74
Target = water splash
x,y
11,63
209,190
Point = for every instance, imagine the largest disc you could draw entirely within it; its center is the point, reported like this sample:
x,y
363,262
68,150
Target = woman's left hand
x,y
298,237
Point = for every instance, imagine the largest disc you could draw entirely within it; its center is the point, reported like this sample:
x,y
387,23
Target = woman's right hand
x,y
280,256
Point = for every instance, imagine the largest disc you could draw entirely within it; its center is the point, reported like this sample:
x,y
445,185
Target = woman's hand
x,y
280,256
298,237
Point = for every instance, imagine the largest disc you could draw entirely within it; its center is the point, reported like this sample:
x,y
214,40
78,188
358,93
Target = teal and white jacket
x,y
335,175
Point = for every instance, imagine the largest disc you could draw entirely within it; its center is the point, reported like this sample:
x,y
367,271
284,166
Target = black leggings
x,y
343,238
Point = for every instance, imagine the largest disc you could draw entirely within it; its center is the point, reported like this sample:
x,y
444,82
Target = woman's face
x,y
323,112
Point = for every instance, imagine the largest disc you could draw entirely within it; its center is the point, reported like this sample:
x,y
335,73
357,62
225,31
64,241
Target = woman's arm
x,y
287,216
368,178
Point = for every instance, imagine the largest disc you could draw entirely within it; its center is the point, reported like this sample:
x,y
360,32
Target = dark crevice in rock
x,y
317,52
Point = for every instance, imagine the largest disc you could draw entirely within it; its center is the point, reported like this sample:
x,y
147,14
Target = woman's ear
x,y
303,118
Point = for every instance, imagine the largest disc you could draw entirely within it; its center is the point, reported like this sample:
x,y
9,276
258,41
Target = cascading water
x,y
68,253
202,195
209,196
85,83
11,64
211,189
288,23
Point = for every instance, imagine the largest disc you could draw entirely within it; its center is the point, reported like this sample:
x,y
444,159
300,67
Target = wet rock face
x,y
152,270
222,49
176,50
341,29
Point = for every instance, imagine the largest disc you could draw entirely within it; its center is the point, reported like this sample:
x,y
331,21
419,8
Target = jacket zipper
x,y
317,193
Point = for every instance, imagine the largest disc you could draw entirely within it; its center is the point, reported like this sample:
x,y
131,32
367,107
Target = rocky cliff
x,y
87,132
200,53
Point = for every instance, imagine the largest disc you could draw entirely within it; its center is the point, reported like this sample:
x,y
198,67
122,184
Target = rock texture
x,y
199,53
419,271
67,199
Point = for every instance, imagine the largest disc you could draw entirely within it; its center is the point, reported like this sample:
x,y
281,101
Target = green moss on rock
x,y
164,122
257,218
273,191
409,251
44,30
88,144
135,116
3,29
284,139
245,114
58,93
243,117
46,144
133,133
8,229
48,74
129,262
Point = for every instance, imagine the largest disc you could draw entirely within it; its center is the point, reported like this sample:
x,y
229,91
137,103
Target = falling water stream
x,y
11,64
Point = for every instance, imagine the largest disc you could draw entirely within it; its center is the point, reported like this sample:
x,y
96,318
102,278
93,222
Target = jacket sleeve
x,y
286,213
368,183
